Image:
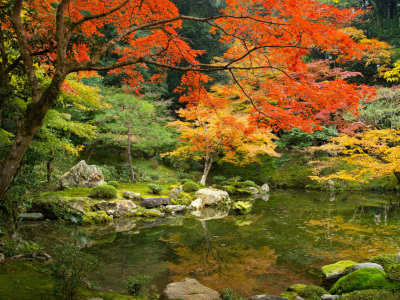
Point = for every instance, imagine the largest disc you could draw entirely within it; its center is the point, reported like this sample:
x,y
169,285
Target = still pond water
x,y
286,239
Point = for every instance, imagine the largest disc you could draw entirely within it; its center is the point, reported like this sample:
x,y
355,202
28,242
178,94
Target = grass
x,y
142,188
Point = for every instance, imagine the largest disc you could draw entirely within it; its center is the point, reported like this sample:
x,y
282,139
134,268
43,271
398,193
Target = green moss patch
x,y
371,295
338,268
96,217
364,279
384,260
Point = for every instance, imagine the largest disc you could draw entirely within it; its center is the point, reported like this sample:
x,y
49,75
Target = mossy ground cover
x,y
26,281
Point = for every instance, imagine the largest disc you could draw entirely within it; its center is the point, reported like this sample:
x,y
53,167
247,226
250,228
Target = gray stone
x,y
253,190
131,195
117,208
330,297
265,187
155,202
212,196
32,216
188,289
1,257
173,195
331,184
81,175
197,204
265,297
367,265
175,208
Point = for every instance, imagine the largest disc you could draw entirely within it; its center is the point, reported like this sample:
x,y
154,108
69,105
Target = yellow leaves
x,y
394,74
374,152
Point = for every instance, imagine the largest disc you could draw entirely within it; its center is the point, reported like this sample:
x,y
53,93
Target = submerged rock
x,y
81,175
175,208
188,289
34,216
155,202
212,196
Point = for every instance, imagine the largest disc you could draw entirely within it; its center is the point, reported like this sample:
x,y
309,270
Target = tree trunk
x,y
91,151
207,167
32,121
49,171
129,154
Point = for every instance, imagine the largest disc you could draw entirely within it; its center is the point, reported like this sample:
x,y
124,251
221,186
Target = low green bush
x,y
312,292
230,294
249,183
237,184
371,295
225,183
113,183
155,188
137,283
184,199
219,178
190,186
104,192
242,207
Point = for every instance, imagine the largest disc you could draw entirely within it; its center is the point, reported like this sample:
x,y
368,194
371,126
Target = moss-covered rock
x,y
307,291
289,295
338,269
242,207
364,279
371,295
393,272
96,217
384,260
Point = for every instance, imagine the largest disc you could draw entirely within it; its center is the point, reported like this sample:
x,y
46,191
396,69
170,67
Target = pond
x,y
286,239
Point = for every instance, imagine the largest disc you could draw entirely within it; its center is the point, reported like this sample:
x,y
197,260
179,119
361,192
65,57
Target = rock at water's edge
x,y
212,196
155,202
188,289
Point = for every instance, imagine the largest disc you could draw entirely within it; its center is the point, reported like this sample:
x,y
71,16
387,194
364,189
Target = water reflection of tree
x,y
217,263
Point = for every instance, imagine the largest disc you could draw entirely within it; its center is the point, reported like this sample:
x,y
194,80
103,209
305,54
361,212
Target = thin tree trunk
x,y
129,154
91,151
207,167
49,171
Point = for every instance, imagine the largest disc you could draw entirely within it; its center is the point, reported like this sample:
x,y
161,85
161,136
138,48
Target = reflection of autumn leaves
x,y
352,241
248,271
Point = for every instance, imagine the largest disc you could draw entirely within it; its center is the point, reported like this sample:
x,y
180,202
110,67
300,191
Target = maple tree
x,y
208,133
374,152
269,38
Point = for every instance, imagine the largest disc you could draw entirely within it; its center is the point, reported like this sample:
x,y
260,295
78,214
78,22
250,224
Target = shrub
x,y
155,188
249,183
219,178
242,207
190,187
113,183
135,283
230,294
184,199
104,192
225,183
154,177
237,184
70,269
371,295
184,180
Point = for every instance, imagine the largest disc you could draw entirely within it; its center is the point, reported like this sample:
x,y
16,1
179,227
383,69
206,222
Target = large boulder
x,y
188,289
212,196
155,202
81,175
117,208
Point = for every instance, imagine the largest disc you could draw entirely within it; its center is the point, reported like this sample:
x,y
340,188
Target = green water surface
x,y
285,240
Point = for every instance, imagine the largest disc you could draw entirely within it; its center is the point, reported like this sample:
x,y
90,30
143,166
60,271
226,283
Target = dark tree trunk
x,y
207,167
91,151
129,155
49,170
397,174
